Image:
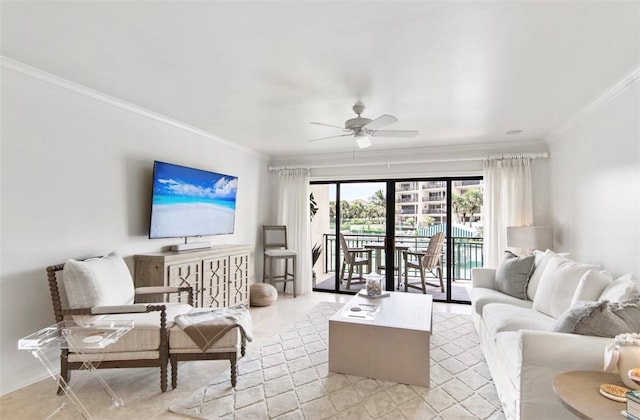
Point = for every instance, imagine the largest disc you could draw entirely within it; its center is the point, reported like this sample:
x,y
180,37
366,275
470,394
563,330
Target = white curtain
x,y
293,212
507,202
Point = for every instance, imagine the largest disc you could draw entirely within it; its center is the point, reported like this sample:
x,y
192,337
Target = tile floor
x,y
140,388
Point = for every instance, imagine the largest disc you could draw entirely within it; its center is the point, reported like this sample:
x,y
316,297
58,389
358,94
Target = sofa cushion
x,y
558,284
541,260
101,281
623,288
601,319
481,296
512,274
500,317
591,286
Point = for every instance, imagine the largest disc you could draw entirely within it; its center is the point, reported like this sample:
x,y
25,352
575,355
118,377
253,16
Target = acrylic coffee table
x,y
89,338
392,344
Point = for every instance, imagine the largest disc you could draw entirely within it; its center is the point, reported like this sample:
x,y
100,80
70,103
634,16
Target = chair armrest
x,y
120,309
483,277
414,253
367,250
165,289
116,309
160,289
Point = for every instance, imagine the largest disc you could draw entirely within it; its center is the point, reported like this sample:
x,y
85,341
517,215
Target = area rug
x,y
288,378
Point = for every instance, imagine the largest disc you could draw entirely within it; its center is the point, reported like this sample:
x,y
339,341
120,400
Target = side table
x,y
91,337
579,392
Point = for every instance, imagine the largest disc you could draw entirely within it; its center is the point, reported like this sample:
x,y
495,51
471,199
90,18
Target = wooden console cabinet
x,y
218,275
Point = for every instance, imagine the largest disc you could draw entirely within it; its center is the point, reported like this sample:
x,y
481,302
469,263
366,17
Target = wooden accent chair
x,y
274,240
354,258
102,288
425,261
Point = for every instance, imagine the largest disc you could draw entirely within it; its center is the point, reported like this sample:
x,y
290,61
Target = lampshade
x,y
530,237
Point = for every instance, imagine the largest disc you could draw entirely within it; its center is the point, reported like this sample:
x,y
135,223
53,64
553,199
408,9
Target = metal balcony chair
x,y
354,258
430,261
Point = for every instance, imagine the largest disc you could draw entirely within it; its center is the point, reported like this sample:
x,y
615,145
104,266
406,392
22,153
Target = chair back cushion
x,y
98,282
274,237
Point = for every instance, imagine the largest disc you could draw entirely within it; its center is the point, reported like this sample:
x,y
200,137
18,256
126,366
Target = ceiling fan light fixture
x,y
363,141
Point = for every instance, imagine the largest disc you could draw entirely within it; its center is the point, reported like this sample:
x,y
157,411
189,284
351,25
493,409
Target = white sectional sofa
x,y
517,336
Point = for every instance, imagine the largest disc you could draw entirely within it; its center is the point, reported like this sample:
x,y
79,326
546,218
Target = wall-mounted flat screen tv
x,y
191,202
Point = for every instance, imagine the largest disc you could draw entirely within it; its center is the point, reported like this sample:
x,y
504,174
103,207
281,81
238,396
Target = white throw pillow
x,y
541,261
558,283
623,288
591,286
98,282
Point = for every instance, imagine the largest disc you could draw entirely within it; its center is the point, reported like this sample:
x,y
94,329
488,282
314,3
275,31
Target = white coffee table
x,y
394,346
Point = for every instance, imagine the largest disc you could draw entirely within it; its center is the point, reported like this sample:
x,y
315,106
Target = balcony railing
x,y
467,252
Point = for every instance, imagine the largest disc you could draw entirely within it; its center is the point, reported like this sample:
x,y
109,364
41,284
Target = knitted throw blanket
x,y
206,328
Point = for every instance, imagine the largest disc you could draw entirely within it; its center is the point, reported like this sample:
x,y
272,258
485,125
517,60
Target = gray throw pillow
x,y
601,319
513,273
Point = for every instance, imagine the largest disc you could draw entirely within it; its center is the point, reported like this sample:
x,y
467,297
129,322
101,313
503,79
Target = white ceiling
x,y
256,73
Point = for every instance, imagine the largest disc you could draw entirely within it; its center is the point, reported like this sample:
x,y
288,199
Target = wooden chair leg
x,y
64,374
440,275
294,276
285,274
342,272
271,273
264,269
406,277
234,371
350,276
174,371
423,280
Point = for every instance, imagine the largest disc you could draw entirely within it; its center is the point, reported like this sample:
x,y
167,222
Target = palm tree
x,y
459,206
474,202
379,199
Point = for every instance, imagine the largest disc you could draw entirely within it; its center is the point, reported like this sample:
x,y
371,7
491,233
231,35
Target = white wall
x,y
76,182
595,188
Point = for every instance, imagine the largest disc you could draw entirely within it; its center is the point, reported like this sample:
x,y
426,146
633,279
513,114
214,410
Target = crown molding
x,y
49,79
619,87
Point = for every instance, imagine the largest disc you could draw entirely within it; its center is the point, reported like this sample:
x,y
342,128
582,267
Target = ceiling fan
x,y
362,129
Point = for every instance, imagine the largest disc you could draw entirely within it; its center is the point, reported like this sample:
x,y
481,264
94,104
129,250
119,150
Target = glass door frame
x,y
390,192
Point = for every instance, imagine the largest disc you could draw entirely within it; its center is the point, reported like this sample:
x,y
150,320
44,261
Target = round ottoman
x,y
262,294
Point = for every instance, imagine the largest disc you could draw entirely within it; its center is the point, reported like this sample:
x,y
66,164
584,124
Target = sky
x,y
364,190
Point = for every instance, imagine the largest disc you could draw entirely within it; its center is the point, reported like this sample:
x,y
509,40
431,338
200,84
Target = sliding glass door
x,y
385,219
453,207
348,233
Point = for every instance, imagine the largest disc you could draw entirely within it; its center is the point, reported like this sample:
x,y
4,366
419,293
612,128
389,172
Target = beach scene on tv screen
x,y
191,202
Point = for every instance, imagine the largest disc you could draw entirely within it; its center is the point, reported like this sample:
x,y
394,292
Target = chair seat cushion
x,y
262,294
280,253
145,334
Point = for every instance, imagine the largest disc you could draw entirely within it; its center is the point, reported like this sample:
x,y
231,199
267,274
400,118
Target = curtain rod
x,y
542,155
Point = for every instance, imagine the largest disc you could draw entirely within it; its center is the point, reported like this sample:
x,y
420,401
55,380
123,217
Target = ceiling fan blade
x,y
331,137
329,125
380,122
392,133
